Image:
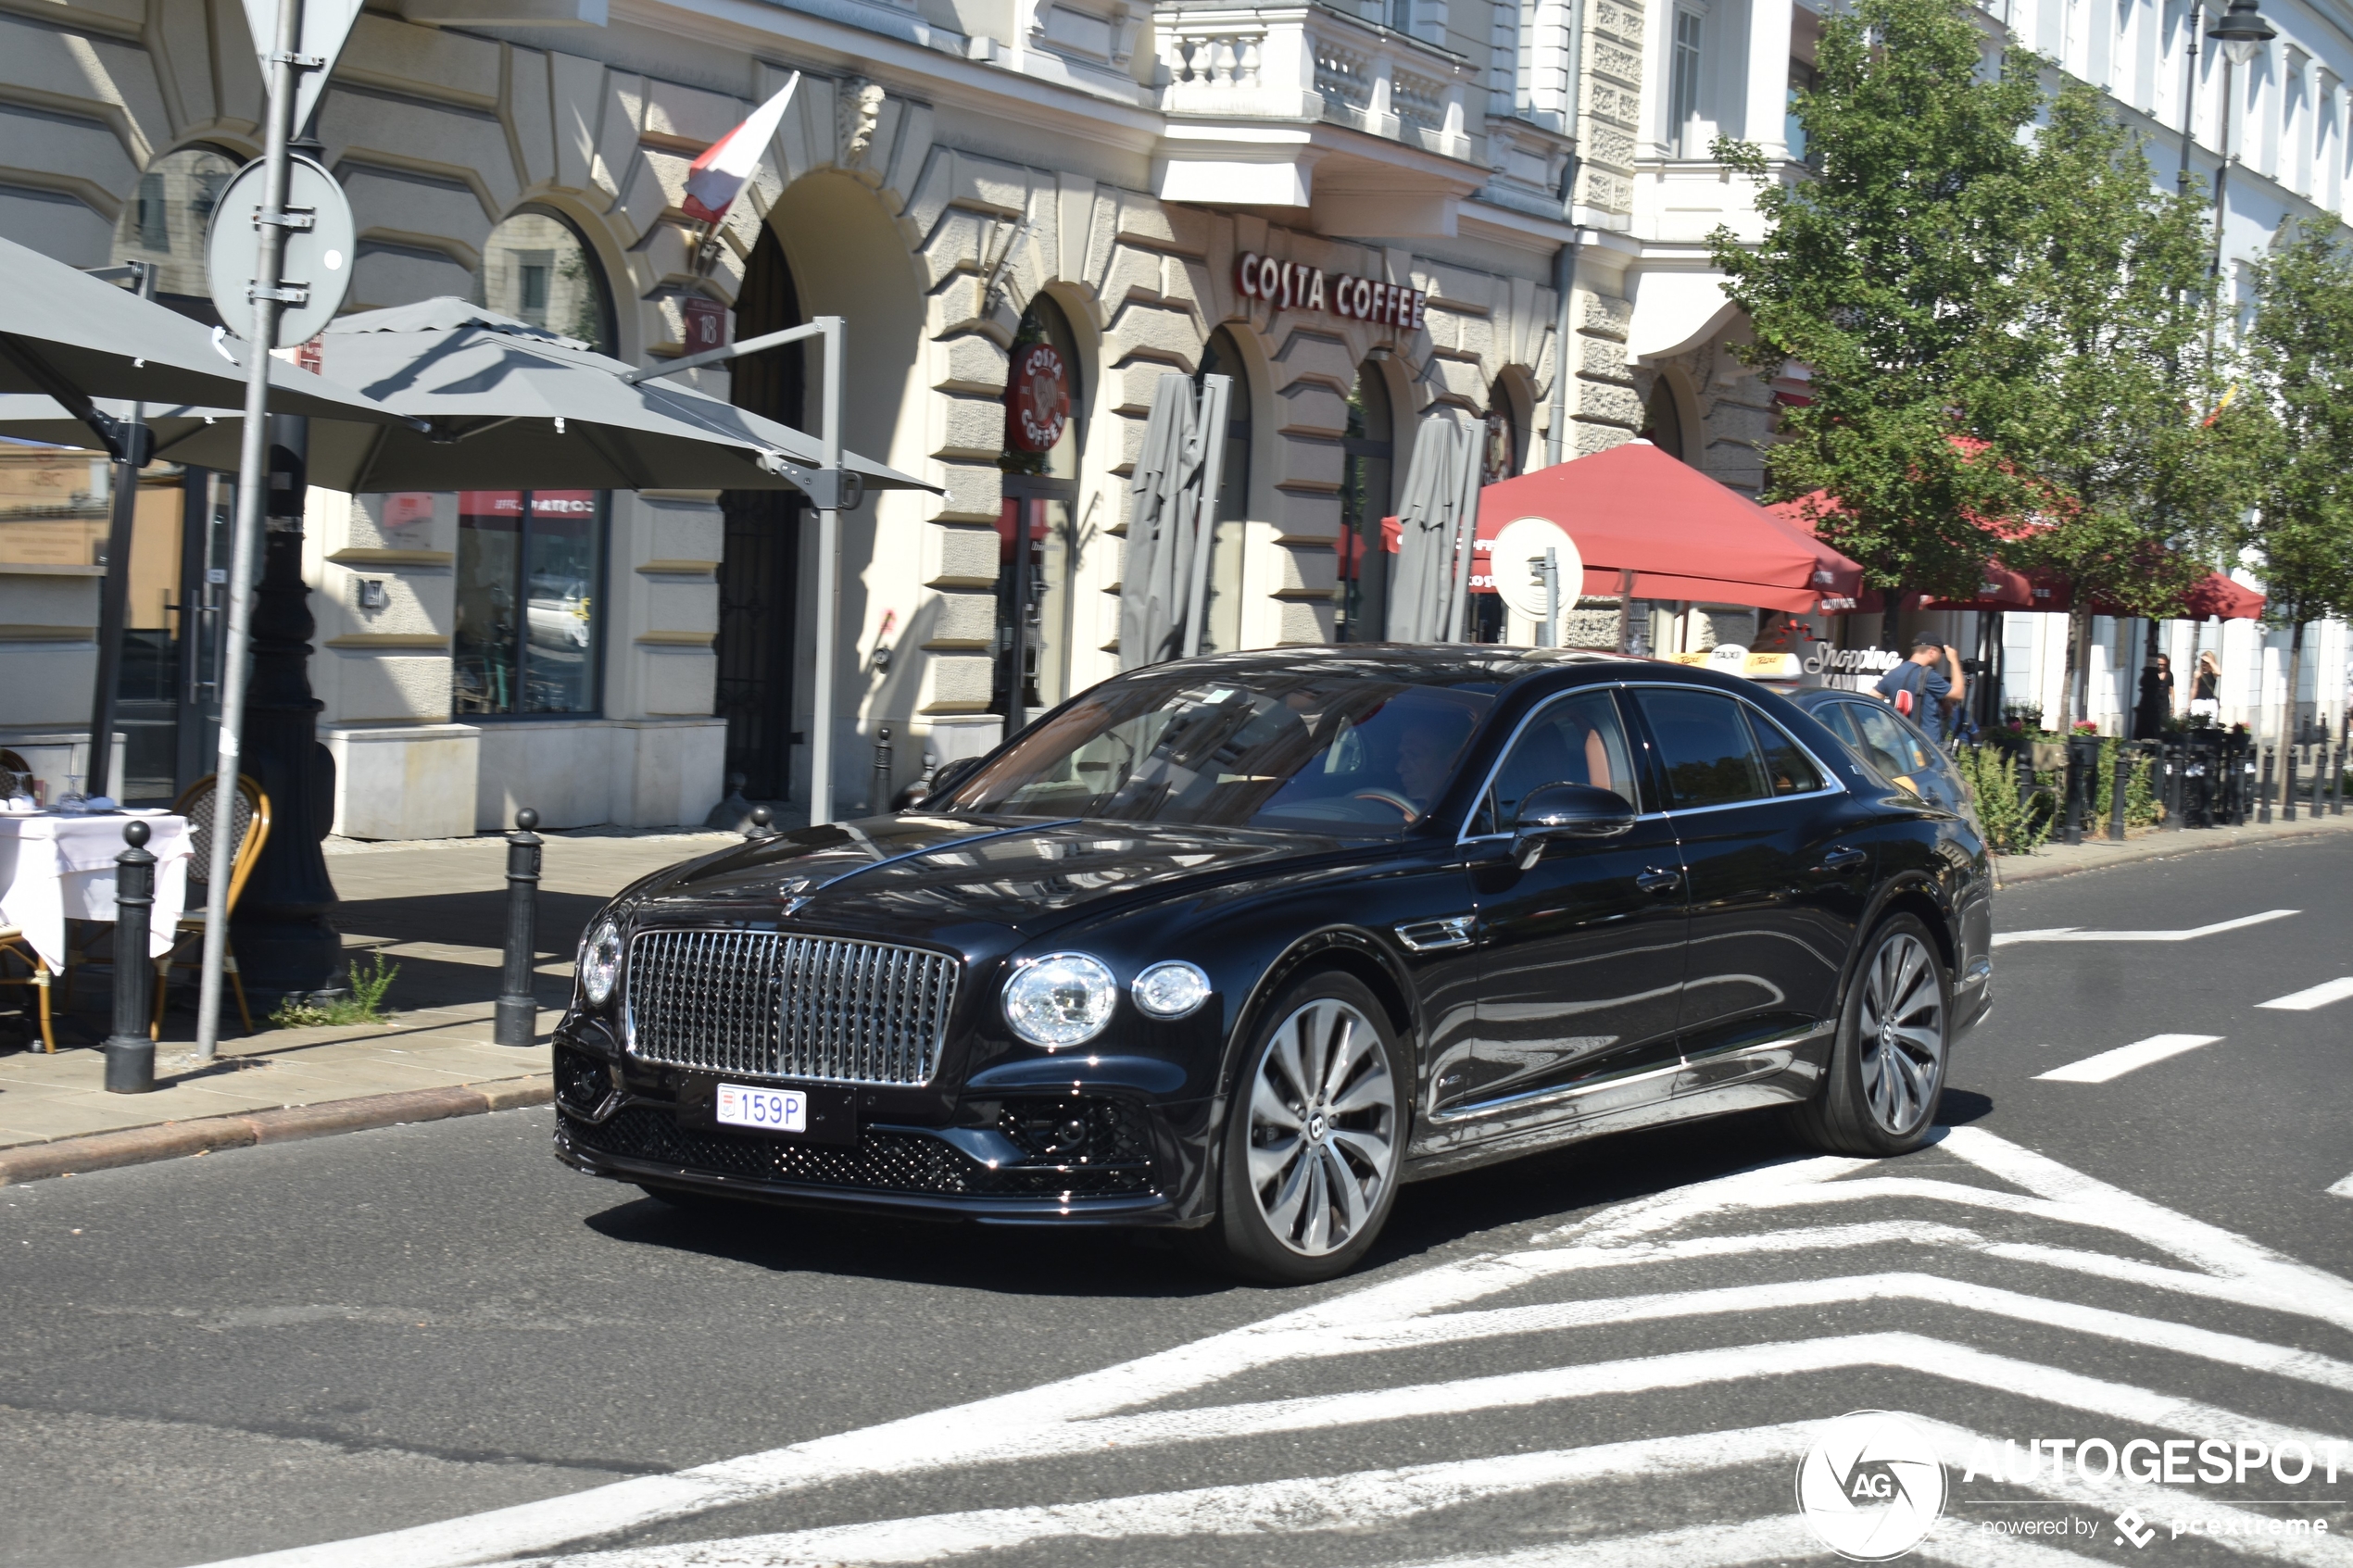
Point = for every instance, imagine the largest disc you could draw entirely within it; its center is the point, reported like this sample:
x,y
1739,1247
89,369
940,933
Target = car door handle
x,y
1843,860
1657,880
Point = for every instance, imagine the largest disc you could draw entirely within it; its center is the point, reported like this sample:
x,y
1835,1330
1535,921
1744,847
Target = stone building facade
x,y
959,179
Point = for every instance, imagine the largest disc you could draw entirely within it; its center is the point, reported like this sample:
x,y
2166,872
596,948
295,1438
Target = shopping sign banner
x,y
1288,285
1037,399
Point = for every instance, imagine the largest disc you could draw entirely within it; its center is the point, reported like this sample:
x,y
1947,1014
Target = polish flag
x,y
718,177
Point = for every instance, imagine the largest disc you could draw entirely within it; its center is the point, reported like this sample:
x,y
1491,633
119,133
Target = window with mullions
x,y
1683,84
529,567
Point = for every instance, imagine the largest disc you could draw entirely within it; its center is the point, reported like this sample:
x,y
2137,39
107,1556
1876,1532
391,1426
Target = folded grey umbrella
x,y
1421,601
1156,573
69,337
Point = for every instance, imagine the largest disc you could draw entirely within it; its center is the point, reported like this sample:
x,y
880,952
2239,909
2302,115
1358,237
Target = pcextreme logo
x,y
1872,1485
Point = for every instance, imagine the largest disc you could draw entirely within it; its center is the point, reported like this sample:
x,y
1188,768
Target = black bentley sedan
x,y
1237,945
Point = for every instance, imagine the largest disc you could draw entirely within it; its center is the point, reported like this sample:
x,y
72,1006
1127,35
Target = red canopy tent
x,y
1682,535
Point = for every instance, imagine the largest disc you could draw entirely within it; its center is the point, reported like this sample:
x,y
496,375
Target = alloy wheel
x,y
1901,1034
1324,1124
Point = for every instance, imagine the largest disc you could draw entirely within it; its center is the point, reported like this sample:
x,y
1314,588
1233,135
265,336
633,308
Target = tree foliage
x,y
2301,363
1883,273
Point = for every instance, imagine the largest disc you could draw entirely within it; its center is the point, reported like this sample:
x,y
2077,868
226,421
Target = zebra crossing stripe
x,y
2077,934
2312,997
1076,1415
2343,1188
2109,1066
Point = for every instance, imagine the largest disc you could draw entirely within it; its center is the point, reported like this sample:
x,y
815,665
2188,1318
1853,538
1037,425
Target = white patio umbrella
x,y
1156,573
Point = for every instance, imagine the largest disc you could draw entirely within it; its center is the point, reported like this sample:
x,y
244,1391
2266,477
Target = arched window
x,y
1367,454
759,577
531,563
1037,523
1506,447
537,269
168,216
1223,633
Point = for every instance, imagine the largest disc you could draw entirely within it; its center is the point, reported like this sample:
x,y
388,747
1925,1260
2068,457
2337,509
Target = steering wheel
x,y
1390,797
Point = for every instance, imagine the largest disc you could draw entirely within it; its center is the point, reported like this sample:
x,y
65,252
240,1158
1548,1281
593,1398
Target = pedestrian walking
x,y
2157,698
2206,687
1919,689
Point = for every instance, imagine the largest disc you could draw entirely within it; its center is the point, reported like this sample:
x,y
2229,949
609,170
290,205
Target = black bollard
x,y
2262,783
2121,777
131,1051
2337,760
883,791
2287,781
2173,758
2025,774
761,818
2083,756
518,1015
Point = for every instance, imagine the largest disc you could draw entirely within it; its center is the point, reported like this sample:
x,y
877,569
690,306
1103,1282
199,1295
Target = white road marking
x,y
2114,1064
2343,1188
1081,1414
2077,934
2312,997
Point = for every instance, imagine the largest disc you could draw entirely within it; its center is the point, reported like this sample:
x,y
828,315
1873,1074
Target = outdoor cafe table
x,y
55,868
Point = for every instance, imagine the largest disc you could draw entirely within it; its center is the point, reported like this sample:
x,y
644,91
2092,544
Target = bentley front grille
x,y
820,1009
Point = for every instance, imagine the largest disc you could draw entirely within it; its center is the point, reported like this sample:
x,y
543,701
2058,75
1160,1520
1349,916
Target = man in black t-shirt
x,y
1915,689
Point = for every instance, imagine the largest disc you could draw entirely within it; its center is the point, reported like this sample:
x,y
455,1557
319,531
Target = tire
x,y
1888,1063
1315,1138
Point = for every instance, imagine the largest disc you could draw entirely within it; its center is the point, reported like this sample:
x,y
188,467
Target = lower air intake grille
x,y
881,1162
817,1009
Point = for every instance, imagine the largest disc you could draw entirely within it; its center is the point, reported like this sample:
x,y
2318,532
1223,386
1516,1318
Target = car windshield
x,y
1319,753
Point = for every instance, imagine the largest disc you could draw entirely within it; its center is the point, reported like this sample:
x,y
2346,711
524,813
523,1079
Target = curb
x,y
172,1140
2009,869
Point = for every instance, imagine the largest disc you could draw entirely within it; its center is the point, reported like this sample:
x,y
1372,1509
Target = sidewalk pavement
x,y
434,1058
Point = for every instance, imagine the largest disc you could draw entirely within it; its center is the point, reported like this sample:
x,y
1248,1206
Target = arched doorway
x,y
1367,463
759,576
1038,542
1663,419
1222,630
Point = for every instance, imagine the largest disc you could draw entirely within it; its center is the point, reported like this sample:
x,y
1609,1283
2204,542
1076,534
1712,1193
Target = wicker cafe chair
x,y
250,820
14,949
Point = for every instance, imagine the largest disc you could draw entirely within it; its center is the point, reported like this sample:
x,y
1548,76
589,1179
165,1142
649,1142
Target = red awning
x,y
1683,535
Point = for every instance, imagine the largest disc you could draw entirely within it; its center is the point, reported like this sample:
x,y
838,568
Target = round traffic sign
x,y
1519,560
317,259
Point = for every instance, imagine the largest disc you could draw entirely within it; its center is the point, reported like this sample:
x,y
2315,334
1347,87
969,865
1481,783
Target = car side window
x,y
1890,751
1576,739
1703,742
1787,768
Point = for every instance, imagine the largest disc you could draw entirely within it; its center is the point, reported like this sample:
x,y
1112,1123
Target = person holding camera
x,y
1917,689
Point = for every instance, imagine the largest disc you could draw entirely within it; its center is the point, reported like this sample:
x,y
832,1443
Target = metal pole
x,y
115,593
516,1019
2119,779
1552,598
1625,611
2263,782
2189,97
882,772
131,1051
253,479
2287,778
821,717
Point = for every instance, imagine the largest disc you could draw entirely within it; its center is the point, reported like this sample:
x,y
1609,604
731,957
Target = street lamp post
x,y
2241,31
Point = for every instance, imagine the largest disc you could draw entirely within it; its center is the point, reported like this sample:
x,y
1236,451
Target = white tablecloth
x,y
55,868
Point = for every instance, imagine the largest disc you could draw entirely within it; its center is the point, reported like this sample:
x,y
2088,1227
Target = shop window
x,y
1365,498
530,563
1038,542
167,217
1223,629
536,268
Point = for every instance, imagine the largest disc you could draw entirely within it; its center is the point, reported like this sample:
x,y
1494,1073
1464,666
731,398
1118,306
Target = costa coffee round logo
x,y
1037,400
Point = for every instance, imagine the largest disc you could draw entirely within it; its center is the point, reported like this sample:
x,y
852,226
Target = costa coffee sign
x,y
1286,286
1037,399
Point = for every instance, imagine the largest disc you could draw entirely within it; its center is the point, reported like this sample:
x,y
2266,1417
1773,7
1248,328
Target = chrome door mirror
x,y
1567,811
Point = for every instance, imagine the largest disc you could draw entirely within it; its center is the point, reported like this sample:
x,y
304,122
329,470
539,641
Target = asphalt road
x,y
1618,1354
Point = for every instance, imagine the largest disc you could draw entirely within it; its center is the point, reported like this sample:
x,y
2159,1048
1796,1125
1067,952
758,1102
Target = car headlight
x,y
1170,990
1062,999
600,962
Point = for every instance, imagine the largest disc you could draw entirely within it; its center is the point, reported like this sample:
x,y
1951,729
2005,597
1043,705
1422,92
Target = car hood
x,y
914,874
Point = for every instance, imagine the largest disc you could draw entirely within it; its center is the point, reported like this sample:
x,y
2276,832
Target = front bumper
x,y
1072,1159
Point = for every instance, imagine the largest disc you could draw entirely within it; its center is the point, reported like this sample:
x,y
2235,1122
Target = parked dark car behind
x,y
1236,945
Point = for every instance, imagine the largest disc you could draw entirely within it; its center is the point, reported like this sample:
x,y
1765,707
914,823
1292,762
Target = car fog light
x,y
600,962
1062,999
1171,990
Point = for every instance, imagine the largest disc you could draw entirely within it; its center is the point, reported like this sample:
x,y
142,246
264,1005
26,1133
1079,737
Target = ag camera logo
x,y
1871,1486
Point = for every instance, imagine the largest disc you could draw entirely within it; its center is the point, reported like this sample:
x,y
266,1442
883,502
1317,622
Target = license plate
x,y
768,1111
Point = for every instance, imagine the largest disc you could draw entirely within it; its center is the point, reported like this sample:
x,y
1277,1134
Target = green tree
x,y
2300,359
1883,273
2110,313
